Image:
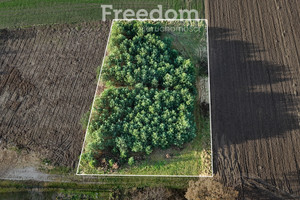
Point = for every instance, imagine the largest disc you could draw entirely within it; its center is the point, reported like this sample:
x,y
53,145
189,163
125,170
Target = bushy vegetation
x,y
149,102
209,189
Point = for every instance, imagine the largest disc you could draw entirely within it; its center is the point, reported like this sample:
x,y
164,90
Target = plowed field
x,y
255,79
47,81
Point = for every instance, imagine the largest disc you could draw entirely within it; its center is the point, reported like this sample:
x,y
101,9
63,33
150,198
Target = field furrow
x,y
254,63
47,83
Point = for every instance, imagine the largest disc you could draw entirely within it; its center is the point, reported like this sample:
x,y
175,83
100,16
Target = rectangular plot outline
x,y
209,95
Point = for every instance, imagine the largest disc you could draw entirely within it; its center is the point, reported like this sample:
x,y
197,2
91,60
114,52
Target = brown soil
x,y
255,78
47,82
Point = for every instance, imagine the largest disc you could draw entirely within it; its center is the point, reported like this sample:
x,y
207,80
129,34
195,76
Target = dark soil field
x,y
255,78
47,82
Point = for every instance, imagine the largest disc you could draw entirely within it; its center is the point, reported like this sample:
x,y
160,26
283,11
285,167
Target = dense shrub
x,y
131,161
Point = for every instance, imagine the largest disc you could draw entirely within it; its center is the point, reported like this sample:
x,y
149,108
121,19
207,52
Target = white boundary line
x,y
94,98
210,124
209,97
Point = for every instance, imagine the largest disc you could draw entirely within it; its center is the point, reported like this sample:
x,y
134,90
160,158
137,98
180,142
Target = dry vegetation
x,y
209,189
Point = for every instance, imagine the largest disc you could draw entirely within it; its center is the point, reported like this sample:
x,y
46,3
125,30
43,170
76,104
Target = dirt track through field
x,y
255,88
47,81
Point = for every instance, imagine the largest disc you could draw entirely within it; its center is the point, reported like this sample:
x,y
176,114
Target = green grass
x,y
94,184
22,13
85,120
84,188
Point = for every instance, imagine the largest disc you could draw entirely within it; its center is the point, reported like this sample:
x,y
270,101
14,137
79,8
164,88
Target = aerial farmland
x,y
60,138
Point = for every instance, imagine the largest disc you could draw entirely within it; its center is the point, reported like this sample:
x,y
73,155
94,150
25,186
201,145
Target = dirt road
x,y
255,89
47,81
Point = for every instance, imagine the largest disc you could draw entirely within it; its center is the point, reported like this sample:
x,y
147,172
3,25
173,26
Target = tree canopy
x,y
150,102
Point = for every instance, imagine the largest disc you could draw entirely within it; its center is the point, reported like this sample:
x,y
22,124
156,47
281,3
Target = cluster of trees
x,y
142,57
138,120
150,102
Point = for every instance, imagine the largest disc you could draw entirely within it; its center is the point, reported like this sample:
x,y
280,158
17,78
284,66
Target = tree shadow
x,y
244,107
245,102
